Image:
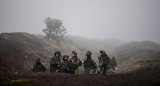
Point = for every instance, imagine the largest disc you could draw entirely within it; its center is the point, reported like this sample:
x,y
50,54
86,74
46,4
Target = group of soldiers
x,y
71,65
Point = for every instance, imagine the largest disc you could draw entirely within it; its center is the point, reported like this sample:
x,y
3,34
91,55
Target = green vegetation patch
x,y
18,81
11,82
135,68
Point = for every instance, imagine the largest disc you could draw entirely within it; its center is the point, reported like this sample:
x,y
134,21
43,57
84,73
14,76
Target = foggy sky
x,y
128,20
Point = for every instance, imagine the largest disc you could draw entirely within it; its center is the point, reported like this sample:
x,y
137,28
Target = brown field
x,y
148,76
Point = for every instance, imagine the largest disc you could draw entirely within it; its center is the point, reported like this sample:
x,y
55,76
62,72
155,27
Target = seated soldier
x,y
63,67
55,62
71,67
76,62
39,67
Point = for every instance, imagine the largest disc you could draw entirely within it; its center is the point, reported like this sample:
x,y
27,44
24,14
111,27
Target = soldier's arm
x,y
100,61
77,62
53,62
94,63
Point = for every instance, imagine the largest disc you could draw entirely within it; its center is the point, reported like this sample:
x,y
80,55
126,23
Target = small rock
x,y
16,73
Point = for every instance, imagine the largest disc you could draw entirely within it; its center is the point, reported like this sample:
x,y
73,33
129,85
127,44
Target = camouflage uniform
x,y
55,61
103,61
89,64
65,62
75,62
71,67
39,66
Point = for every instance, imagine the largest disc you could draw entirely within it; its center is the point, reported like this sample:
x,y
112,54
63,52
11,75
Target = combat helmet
x,y
102,51
64,57
75,53
57,52
89,53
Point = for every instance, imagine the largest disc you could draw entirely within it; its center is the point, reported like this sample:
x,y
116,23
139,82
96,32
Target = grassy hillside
x,y
22,49
136,46
133,52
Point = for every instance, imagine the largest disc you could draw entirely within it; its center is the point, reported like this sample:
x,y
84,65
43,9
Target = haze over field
x,y
133,20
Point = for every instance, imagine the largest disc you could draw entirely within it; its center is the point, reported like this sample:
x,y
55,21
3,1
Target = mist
x,y
134,20
79,42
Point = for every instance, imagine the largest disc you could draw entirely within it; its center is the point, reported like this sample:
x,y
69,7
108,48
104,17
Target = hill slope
x,y
96,45
133,52
22,49
18,52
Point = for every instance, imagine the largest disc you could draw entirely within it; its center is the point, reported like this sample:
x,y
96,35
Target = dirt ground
x,y
12,77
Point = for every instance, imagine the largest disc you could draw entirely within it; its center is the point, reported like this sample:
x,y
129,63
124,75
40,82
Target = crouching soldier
x,y
89,63
55,62
39,67
103,61
76,62
65,62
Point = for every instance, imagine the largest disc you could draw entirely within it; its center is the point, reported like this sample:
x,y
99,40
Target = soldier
x,y
89,63
75,61
55,62
64,64
71,67
39,66
103,61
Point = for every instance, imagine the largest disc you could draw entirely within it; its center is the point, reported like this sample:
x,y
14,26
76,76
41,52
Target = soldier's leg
x,y
61,69
71,71
87,70
52,69
101,69
94,69
105,69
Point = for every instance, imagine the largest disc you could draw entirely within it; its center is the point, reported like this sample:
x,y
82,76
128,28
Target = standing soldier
x,y
103,61
89,63
75,61
55,62
39,66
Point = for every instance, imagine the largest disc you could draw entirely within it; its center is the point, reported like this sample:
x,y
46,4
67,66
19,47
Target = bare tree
x,y
54,29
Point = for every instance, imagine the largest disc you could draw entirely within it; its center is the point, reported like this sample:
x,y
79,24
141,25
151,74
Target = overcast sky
x,y
128,20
